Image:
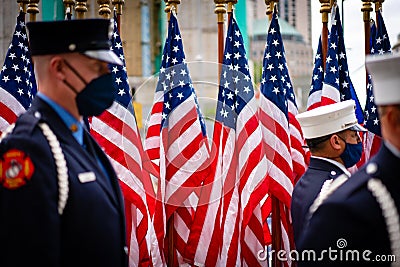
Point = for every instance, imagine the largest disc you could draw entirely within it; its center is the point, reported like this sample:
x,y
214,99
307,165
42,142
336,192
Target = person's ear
x,y
335,142
57,67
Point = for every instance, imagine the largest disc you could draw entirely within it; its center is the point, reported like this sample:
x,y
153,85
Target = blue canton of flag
x,y
119,72
236,88
380,45
347,90
331,76
274,84
314,97
17,79
174,75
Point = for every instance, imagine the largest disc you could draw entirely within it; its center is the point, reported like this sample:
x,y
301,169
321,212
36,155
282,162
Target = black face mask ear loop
x,y
70,86
76,73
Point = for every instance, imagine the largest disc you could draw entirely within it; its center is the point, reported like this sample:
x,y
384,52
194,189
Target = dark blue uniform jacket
x,y
90,232
307,190
353,216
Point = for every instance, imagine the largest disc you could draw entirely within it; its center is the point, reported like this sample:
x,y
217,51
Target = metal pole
x,y
325,10
230,3
81,9
220,10
118,5
104,9
33,9
23,4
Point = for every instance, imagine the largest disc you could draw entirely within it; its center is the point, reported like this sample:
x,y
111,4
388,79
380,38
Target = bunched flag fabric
x,y
274,116
241,164
380,44
17,79
176,143
314,97
117,132
337,84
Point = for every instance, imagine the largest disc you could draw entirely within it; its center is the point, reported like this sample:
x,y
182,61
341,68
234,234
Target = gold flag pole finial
x,y
118,5
167,7
81,9
174,4
231,3
104,9
220,10
325,10
366,9
378,5
33,9
23,4
270,8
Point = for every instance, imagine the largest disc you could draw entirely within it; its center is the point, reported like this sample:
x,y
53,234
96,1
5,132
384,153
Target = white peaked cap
x,y
385,72
329,119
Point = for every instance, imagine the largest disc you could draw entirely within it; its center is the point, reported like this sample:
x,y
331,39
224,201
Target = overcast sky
x,y
354,34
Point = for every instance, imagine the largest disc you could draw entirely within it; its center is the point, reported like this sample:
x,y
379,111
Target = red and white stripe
x,y
275,130
276,136
314,100
299,156
10,109
152,142
183,164
116,131
329,95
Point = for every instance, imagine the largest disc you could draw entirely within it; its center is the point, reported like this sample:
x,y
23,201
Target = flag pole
x,y
104,8
276,230
81,9
270,9
366,9
378,7
171,4
230,3
167,9
325,10
118,5
33,9
23,4
220,10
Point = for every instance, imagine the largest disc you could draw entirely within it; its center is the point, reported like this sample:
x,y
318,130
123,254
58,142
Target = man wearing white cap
x,y
360,220
331,133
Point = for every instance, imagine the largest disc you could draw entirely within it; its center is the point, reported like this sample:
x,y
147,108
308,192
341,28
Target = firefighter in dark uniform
x,y
331,133
60,200
360,219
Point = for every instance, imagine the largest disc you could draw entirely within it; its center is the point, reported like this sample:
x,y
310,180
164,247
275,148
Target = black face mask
x,y
97,96
351,154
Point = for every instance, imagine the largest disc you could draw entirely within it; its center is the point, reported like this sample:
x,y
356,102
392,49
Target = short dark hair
x,y
315,144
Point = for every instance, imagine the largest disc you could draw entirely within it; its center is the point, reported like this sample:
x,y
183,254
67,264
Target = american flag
x,y
380,45
346,87
242,166
314,97
274,116
337,84
17,79
177,136
117,132
299,157
331,85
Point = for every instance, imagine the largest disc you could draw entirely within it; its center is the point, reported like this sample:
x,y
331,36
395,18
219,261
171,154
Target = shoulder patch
x,y
16,168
